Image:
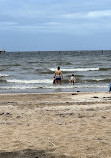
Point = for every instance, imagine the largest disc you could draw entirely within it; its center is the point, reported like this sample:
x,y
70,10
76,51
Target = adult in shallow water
x,y
58,75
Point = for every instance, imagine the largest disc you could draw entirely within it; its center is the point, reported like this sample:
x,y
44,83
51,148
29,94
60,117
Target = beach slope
x,y
56,125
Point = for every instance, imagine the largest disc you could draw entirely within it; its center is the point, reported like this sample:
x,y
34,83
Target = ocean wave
x,y
107,80
47,81
17,87
16,64
69,86
30,81
4,75
50,81
76,69
92,86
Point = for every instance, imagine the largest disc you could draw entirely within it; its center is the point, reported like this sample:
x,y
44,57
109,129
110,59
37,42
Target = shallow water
x,y
32,72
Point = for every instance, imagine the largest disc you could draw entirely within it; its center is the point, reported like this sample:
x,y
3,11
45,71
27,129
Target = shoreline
x,y
58,125
56,92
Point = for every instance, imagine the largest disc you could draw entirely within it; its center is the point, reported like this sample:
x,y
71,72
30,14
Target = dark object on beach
x,y
95,97
2,113
74,94
103,117
78,91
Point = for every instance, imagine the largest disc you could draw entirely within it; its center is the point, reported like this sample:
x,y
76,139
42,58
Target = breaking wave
x,y
30,81
4,75
107,80
76,69
69,86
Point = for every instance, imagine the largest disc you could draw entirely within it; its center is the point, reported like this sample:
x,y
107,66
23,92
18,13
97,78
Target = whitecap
x,y
30,81
4,75
76,69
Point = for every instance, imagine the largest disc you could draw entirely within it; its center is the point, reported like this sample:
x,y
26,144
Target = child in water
x,y
54,80
72,79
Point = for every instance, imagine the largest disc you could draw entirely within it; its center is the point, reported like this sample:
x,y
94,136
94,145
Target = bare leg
x,y
60,82
56,82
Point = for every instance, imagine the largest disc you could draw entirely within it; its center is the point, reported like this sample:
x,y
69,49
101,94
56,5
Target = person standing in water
x,y
72,79
58,75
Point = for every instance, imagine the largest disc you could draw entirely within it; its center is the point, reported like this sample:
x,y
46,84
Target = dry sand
x,y
60,125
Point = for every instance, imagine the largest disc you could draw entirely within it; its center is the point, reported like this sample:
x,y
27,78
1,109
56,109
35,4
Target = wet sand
x,y
60,125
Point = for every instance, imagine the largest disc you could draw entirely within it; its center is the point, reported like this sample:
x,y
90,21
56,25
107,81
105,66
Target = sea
x,y
33,72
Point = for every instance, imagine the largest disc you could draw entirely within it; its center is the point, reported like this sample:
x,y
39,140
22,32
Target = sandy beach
x,y
56,125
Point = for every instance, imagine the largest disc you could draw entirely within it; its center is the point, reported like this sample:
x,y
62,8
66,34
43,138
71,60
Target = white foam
x,y
4,75
77,69
30,81
17,87
53,87
70,86
91,86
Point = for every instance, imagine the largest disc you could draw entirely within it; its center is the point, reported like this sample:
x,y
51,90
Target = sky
x,y
55,25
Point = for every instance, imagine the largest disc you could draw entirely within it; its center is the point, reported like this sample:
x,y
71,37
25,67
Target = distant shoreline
x,y
59,51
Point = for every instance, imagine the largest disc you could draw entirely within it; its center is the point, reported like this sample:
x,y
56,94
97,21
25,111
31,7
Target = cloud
x,y
53,16
53,27
99,14
87,15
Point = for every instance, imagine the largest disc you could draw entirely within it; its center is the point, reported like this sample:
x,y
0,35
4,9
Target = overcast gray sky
x,y
35,25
